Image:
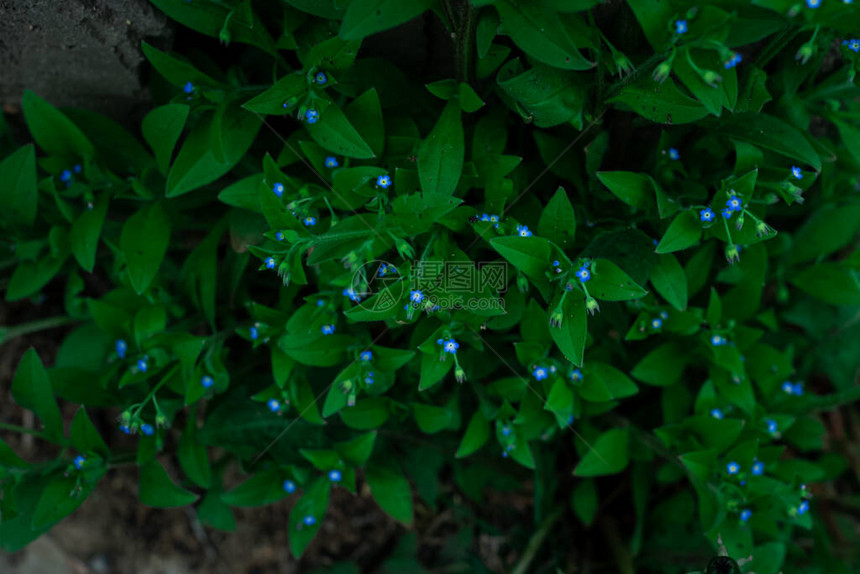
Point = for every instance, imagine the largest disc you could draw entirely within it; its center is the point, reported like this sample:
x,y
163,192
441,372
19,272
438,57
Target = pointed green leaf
x,y
32,390
158,490
440,157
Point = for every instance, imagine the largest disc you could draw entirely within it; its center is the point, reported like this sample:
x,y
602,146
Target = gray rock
x,y
77,53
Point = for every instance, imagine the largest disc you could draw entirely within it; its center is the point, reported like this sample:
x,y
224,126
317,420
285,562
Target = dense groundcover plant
x,y
606,252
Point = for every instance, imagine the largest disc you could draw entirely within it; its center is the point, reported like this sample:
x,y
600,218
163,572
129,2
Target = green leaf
x,y
193,457
609,283
52,130
143,242
365,114
32,390
826,231
469,100
558,220
440,157
653,16
660,103
271,102
684,231
531,255
158,490
670,281
366,17
832,283
367,414
176,71
84,435
334,132
608,455
602,382
325,351
333,54
60,498
476,435
543,94
19,194
631,188
663,366
84,237
769,132
161,129
431,419
115,146
584,501
245,193
263,488
540,33
559,402
391,491
357,450
313,503
570,337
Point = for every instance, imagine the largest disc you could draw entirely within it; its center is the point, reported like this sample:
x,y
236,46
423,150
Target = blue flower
x,y
735,203
309,221
575,375
506,430
727,213
657,323
327,329
664,315
854,45
803,508
353,296
331,162
320,78
77,168
141,365
368,380
270,263
289,486
79,461
673,154
733,468
745,514
334,476
788,388
583,274
274,405
757,468
796,172
366,356
124,429
121,348
718,340
797,389
66,176
523,231
278,188
416,296
494,219
253,333
485,217
539,373
383,181
680,26
279,235
555,263
733,61
717,413
451,346
771,426
309,520
189,87
813,3
207,381
706,214
147,429
320,302
312,116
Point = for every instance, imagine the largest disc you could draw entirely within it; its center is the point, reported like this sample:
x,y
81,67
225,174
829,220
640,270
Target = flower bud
x,y
805,52
556,318
591,305
739,223
403,248
662,71
522,283
711,78
459,374
732,254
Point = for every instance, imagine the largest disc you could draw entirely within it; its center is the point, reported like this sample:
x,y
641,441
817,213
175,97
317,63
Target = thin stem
x,y
535,542
153,391
32,432
7,334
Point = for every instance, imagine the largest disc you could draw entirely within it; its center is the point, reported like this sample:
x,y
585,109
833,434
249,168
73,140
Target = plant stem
x,y
9,333
32,432
535,542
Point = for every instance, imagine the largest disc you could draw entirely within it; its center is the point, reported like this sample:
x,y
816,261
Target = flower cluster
x,y
523,231
733,61
853,45
449,346
792,389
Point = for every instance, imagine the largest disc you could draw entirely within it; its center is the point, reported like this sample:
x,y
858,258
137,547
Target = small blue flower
x,y
506,430
320,302
79,461
289,486
718,340
539,373
523,231
331,162
368,380
727,213
771,426
274,405
583,274
312,116
680,26
320,78
366,356
141,365
77,168
657,323
254,333
813,3
757,468
706,215
66,176
569,420
207,381
494,219
485,217
278,188
383,181
796,172
270,263
124,429
147,429
735,203
121,348
327,329
416,296
189,87
279,235
717,413
788,388
451,346
664,315
309,520
555,263
854,45
733,468
353,296
334,476
673,154
576,375
745,514
797,389
803,508
309,221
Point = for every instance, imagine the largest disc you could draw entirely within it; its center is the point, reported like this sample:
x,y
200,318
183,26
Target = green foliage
x,y
600,269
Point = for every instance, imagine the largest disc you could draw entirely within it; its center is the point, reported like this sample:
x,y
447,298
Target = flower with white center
x,y
733,468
